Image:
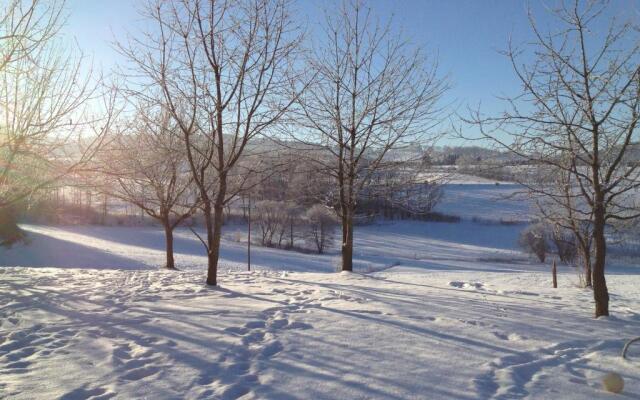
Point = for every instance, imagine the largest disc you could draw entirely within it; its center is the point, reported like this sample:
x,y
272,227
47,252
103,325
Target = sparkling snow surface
x,y
435,311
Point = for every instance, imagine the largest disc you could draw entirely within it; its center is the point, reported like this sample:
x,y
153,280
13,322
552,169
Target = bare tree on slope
x,y
224,68
372,92
578,115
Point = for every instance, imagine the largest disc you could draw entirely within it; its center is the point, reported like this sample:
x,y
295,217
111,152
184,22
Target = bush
x,y
321,226
292,220
565,243
533,240
276,223
268,218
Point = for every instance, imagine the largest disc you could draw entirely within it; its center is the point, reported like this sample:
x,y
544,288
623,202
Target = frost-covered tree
x,y
578,115
534,240
145,164
321,227
371,92
224,69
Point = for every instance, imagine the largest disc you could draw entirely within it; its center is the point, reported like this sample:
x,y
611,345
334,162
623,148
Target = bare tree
x,y
533,240
372,92
269,217
402,189
145,165
578,114
321,226
565,210
52,114
224,70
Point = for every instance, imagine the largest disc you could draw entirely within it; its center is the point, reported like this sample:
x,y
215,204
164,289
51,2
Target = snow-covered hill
x,y
443,311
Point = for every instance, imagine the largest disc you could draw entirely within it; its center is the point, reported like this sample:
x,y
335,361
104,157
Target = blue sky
x,y
465,34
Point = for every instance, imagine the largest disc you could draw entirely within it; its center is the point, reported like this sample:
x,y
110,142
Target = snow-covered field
x,y
435,311
486,203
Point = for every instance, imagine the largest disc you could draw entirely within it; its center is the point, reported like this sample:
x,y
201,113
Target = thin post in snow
x,y
249,235
555,274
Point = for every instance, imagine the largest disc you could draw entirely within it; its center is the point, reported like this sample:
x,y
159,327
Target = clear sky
x,y
465,34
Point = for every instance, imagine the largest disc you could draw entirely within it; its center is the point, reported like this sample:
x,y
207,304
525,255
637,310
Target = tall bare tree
x,y
372,92
145,165
578,116
224,68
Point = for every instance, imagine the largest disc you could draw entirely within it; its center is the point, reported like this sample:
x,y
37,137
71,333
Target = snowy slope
x,y
377,246
486,202
398,334
460,315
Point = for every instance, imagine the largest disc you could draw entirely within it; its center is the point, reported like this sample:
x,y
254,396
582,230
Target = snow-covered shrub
x,y
321,226
289,225
276,223
565,244
268,216
533,240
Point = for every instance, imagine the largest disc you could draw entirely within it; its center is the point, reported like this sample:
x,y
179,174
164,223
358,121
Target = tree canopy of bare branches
x,y
576,119
25,25
224,69
145,164
371,92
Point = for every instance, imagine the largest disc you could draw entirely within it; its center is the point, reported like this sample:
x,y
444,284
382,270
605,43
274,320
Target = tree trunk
x,y
168,235
347,242
585,255
587,270
212,264
600,291
216,233
214,246
10,232
104,210
291,234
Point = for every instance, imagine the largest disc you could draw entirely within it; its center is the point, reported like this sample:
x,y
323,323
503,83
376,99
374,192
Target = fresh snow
x,y
452,176
503,203
435,310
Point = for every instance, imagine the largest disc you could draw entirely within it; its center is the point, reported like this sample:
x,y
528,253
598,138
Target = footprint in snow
x,y
510,337
236,330
421,318
299,325
135,361
373,312
272,349
140,373
518,293
19,348
254,324
278,323
237,370
84,392
511,376
466,285
253,337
